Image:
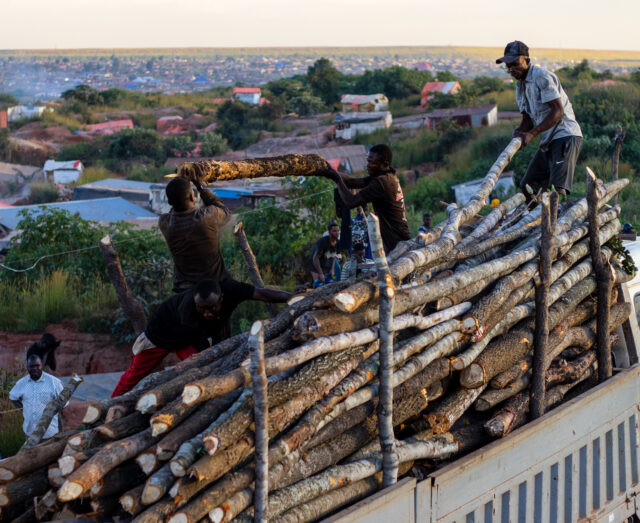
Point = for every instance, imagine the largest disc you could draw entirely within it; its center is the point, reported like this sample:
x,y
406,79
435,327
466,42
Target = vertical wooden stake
x,y
385,405
541,332
604,278
615,157
252,265
261,414
52,408
129,304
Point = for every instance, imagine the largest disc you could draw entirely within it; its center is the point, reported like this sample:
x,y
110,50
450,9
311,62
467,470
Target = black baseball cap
x,y
512,51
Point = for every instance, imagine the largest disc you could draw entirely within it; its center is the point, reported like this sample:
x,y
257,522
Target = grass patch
x,y
95,174
31,306
11,435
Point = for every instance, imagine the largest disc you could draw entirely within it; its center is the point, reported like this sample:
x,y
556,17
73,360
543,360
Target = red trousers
x,y
143,364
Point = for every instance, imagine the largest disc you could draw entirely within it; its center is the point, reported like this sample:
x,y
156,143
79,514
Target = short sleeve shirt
x,y
35,396
326,253
177,325
193,238
385,194
533,95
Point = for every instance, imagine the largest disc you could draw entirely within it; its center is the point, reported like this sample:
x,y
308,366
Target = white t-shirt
x,y
35,395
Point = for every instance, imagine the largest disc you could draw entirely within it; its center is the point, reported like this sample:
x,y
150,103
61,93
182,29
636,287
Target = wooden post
x,y
385,406
261,414
604,278
541,333
615,157
52,408
252,264
129,304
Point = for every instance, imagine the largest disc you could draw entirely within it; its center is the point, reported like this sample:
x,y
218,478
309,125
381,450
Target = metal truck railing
x,y
579,462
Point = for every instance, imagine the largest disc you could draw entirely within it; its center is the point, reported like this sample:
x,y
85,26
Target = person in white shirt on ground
x,y
32,393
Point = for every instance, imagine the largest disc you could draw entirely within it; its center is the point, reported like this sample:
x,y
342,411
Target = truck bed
x,y
579,462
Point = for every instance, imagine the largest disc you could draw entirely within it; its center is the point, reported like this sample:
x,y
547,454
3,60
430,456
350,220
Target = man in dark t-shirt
x,y
190,322
193,234
323,257
383,190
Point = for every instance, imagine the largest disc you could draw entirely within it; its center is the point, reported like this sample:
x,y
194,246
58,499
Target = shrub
x,y
43,192
428,193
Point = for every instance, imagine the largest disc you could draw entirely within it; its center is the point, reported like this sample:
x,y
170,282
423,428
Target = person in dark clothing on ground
x,y
383,190
193,234
426,224
323,257
546,111
45,349
190,322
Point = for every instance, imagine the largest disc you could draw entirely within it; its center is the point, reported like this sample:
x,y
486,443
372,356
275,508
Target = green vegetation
x,y
10,416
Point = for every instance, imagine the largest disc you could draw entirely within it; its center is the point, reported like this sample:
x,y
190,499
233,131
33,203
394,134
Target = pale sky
x,y
567,24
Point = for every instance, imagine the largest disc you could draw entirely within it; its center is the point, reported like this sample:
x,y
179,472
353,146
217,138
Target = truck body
x,y
578,462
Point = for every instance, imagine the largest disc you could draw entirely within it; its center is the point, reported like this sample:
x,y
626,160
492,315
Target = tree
x,y
428,193
179,145
84,94
212,144
395,81
635,76
324,80
7,100
305,103
446,76
138,143
487,84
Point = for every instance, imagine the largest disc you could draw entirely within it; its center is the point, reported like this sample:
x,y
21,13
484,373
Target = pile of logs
x,y
464,333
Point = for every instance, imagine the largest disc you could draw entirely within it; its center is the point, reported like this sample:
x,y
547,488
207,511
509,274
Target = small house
x,y
430,88
349,125
364,103
19,112
248,95
62,172
474,116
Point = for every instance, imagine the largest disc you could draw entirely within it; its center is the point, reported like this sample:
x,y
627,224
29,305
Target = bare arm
x,y
271,295
525,125
353,183
350,200
553,117
316,263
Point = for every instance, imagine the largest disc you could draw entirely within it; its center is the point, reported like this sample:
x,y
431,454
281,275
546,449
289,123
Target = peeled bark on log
x,y
131,501
194,425
493,218
51,410
385,402
281,166
541,330
261,415
118,480
33,458
131,306
171,415
157,485
109,457
148,460
252,264
604,278
570,371
492,397
34,484
123,427
358,294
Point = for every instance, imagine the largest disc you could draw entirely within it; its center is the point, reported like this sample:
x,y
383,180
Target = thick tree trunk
x,y
261,416
51,410
385,403
252,264
286,165
131,306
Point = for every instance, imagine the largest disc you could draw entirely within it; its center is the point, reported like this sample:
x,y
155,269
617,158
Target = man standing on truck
x,y
546,111
190,322
382,189
193,234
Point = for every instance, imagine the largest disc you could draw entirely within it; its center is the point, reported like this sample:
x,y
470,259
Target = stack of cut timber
x,y
180,446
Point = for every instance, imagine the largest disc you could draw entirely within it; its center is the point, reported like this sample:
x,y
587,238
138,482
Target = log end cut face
x,y
69,491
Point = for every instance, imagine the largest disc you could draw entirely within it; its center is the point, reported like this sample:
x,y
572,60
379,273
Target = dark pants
x,y
553,165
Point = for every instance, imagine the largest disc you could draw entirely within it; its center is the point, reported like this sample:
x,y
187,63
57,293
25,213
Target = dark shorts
x,y
554,166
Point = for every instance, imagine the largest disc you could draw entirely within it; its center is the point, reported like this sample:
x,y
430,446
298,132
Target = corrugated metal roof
x,y
360,117
461,111
361,98
71,165
119,183
439,87
104,210
237,90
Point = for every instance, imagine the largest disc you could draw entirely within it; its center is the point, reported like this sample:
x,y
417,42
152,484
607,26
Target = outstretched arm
x,y
271,295
553,117
350,200
211,200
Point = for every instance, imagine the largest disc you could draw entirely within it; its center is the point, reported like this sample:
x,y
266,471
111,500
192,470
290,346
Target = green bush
x,y
43,192
428,193
10,416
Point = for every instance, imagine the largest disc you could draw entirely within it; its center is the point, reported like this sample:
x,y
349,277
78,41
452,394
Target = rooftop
x,y
119,183
461,111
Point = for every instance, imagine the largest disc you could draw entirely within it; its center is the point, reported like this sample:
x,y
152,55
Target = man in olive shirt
x,y
193,234
383,190
190,322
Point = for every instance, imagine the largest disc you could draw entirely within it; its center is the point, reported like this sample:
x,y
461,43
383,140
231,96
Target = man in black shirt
x,y
383,190
190,322
323,257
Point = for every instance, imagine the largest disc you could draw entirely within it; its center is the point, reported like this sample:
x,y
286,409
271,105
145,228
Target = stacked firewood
x,y
457,309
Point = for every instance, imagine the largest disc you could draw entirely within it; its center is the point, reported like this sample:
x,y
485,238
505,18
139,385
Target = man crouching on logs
x,y
383,190
190,322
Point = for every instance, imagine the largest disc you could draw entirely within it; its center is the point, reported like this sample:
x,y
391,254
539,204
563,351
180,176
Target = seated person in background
x,y
32,394
193,234
45,349
426,224
190,322
358,265
323,256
